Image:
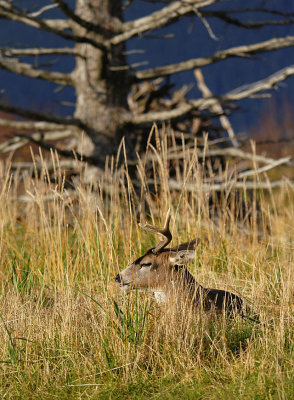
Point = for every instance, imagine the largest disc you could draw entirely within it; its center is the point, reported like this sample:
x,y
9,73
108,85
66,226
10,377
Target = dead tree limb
x,y
159,19
42,10
245,91
217,187
217,108
265,168
48,165
65,51
30,198
37,116
226,152
65,153
13,65
58,27
251,10
10,11
29,126
17,142
246,51
225,16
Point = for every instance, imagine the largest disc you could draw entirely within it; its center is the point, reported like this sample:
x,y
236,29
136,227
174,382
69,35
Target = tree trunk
x,y
101,93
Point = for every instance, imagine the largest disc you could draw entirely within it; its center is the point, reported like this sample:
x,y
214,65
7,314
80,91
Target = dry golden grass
x,y
67,331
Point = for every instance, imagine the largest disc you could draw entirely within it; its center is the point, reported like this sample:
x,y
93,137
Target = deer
x,y
163,271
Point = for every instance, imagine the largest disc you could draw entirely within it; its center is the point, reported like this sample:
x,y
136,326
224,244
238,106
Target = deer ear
x,y
191,245
182,257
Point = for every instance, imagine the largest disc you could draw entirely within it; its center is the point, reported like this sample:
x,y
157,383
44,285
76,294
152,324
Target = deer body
x,y
163,271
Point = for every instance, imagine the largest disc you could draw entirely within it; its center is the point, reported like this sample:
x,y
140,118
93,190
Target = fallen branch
x,y
48,165
265,168
227,152
217,187
30,198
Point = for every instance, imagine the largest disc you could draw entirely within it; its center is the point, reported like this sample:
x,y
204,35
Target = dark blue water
x,y
191,41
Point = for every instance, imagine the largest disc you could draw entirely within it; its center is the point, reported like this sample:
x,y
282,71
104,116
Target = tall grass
x,y
67,332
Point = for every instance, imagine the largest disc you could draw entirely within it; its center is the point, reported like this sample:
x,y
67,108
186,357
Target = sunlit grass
x,y
67,331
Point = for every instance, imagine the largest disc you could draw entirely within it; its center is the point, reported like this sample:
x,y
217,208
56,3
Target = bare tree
x,y
113,99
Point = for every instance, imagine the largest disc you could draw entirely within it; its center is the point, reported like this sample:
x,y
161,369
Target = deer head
x,y
158,267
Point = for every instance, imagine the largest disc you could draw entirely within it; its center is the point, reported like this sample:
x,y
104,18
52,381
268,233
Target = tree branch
x,y
217,187
158,19
50,166
13,65
178,9
150,117
217,108
273,164
206,103
37,116
42,10
57,27
224,15
268,83
66,153
65,51
261,10
239,51
28,126
17,142
218,152
30,198
9,11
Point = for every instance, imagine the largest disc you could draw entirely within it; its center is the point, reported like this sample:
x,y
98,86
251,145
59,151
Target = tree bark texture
x,y
101,92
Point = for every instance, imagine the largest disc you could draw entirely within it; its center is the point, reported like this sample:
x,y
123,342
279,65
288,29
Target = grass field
x,y
68,333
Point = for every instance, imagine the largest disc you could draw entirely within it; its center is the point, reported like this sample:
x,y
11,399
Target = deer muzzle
x,y
123,285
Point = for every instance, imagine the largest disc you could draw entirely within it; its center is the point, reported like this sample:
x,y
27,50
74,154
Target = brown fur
x,y
166,271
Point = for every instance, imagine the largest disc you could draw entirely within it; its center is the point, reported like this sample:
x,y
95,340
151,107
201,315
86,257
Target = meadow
x,y
67,332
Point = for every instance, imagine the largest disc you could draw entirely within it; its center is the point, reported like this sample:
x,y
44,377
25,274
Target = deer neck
x,y
160,296
180,285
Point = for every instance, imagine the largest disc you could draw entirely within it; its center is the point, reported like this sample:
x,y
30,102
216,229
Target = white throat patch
x,y
160,296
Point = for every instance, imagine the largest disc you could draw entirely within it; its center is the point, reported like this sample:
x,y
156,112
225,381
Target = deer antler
x,y
163,231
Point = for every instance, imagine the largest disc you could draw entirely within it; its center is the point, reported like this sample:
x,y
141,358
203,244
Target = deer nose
x,y
117,278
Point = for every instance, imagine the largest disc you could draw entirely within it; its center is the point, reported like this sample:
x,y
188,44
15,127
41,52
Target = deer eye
x,y
146,265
